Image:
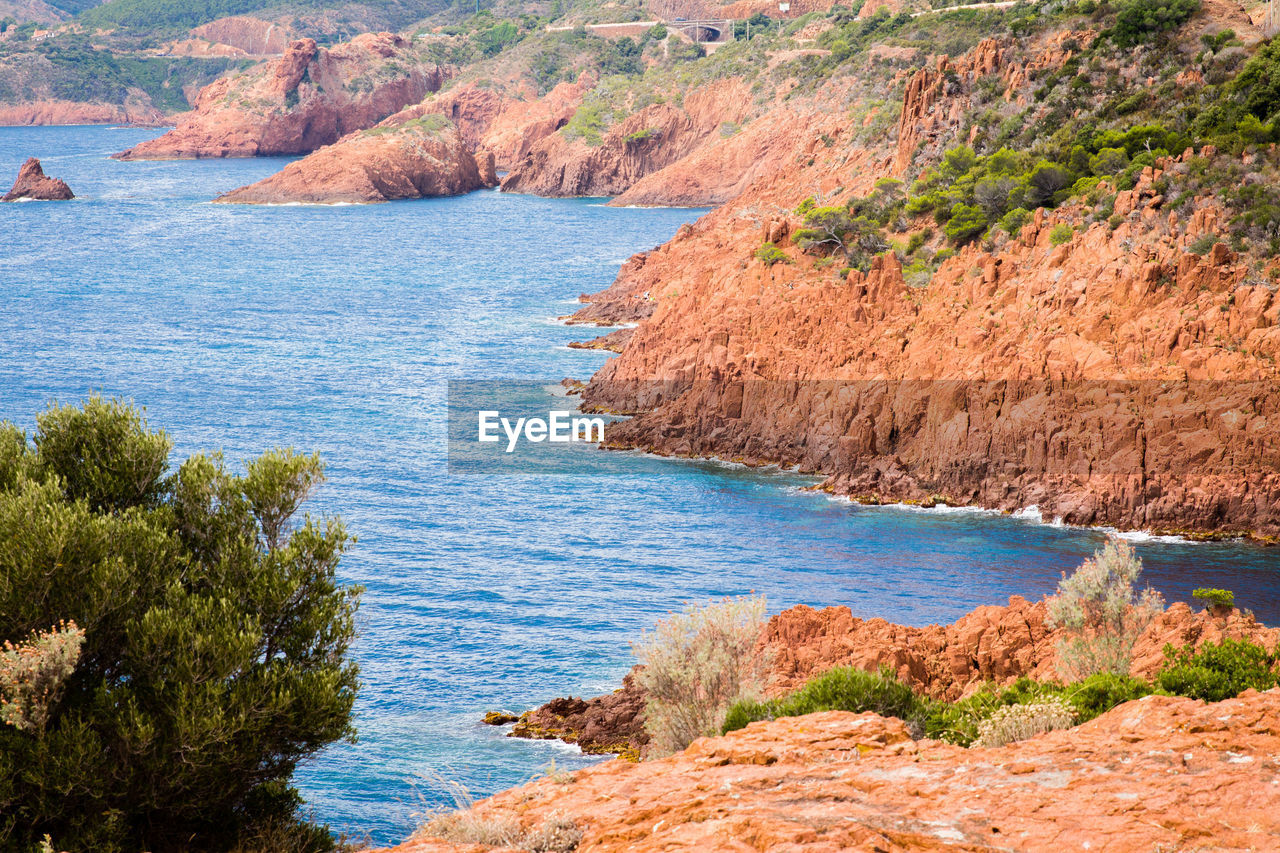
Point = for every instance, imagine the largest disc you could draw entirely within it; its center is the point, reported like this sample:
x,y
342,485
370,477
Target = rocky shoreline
x,y
994,644
32,184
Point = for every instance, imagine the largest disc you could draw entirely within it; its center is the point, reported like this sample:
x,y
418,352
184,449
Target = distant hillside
x,y
161,15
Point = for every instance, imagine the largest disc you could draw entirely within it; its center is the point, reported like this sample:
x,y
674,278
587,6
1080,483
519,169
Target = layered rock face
x,y
34,184
1101,382
643,143
418,159
1158,773
308,98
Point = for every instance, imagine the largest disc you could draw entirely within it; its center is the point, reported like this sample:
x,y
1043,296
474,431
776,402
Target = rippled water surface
x,y
335,329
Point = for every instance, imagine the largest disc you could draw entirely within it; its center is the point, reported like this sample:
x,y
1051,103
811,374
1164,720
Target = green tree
x,y
1139,21
215,638
832,229
967,222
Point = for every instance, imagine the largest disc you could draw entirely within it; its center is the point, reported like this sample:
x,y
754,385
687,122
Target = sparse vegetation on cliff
x,y
697,664
1103,611
210,630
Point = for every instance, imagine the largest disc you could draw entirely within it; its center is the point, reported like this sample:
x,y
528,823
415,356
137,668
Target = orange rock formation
x,y
414,160
308,98
1159,773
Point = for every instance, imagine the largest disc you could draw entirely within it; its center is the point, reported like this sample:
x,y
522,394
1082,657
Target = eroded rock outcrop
x,y
1116,379
643,143
1158,773
33,184
613,722
996,644
310,97
421,158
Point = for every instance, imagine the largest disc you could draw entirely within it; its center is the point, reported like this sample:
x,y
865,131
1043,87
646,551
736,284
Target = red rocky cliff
x,y
310,97
418,159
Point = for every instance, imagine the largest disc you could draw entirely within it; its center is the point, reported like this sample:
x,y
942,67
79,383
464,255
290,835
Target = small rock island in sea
x,y
34,185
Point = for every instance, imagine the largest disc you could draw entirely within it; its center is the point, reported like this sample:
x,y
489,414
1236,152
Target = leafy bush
x,y
214,646
967,221
1203,244
771,254
1102,612
1099,693
1215,599
837,229
696,665
1218,671
1140,21
587,124
841,689
1019,722
1061,233
637,136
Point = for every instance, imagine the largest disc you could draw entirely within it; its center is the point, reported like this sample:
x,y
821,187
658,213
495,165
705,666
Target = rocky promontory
x,y
567,163
993,644
310,97
34,185
420,158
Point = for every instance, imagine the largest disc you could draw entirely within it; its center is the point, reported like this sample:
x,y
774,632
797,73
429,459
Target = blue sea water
x,y
336,329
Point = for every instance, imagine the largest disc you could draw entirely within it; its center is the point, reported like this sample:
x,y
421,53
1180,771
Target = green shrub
x,y
1103,691
588,124
1013,221
841,689
771,254
697,664
1061,233
641,135
967,222
1215,599
213,656
837,229
1203,244
1217,671
1102,612
1140,21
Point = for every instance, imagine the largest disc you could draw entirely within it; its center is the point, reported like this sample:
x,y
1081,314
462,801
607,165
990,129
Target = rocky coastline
x,y
418,159
308,98
994,644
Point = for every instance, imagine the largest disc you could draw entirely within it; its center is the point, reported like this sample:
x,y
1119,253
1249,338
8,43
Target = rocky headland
x,y
420,158
994,644
33,184
311,97
1105,372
